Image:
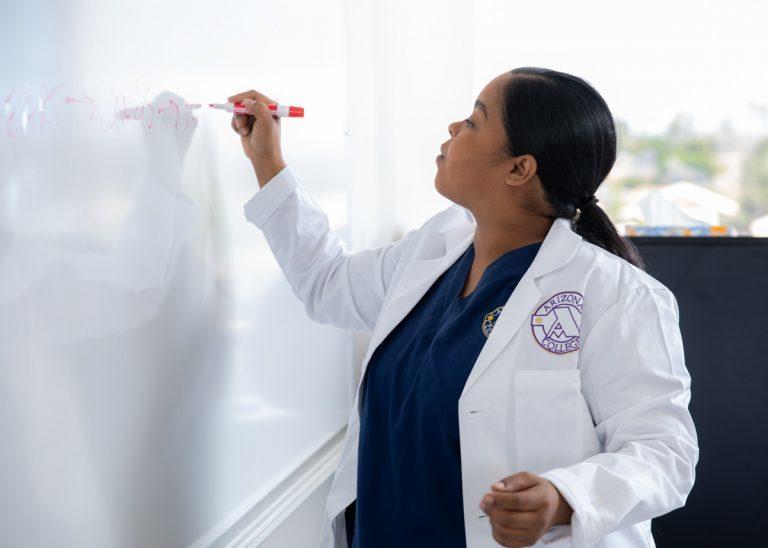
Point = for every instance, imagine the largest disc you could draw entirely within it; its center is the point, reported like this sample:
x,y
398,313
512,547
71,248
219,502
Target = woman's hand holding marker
x,y
259,134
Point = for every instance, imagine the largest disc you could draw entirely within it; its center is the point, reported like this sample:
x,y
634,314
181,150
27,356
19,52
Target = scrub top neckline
x,y
514,257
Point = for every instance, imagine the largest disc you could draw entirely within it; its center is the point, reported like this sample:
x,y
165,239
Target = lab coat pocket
x,y
548,419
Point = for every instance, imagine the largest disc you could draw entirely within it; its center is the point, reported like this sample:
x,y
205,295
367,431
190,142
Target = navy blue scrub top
x,y
409,463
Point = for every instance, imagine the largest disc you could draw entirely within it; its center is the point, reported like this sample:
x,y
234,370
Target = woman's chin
x,y
439,186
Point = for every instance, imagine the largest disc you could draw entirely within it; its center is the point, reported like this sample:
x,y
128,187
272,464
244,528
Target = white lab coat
x,y
605,419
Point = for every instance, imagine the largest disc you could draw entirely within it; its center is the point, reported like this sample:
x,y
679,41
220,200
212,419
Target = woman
x,y
563,420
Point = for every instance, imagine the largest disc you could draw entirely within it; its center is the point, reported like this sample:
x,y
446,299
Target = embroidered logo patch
x,y
555,324
490,320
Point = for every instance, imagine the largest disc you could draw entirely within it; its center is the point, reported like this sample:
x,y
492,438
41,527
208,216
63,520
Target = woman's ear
x,y
521,170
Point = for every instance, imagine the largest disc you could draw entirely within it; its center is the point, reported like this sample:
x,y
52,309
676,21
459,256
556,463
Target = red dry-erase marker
x,y
277,110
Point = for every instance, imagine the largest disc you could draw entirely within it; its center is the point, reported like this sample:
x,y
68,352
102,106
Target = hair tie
x,y
591,200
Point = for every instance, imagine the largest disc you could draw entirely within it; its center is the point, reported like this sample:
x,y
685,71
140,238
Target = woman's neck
x,y
492,240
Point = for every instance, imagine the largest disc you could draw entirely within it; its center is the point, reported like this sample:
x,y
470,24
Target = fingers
x,y
265,120
513,537
530,499
242,123
260,110
253,106
518,511
518,482
250,94
514,520
519,528
505,534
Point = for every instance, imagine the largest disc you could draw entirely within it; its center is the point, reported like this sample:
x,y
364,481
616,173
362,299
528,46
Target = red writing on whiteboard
x,y
26,112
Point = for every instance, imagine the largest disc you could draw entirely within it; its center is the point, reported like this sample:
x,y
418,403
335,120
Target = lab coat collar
x,y
441,249
557,249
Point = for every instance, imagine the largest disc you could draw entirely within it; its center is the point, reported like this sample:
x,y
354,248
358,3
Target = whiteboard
x,y
156,371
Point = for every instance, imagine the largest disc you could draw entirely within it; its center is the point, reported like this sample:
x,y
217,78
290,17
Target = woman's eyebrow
x,y
479,104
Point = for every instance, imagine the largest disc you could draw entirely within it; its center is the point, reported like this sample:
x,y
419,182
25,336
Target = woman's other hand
x,y
525,509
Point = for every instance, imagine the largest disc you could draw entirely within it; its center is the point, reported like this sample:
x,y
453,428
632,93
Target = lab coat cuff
x,y
585,525
269,197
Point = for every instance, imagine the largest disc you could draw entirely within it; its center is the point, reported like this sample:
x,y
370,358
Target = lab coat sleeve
x,y
637,388
337,287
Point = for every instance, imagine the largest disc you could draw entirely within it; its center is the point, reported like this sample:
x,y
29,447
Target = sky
x,y
650,60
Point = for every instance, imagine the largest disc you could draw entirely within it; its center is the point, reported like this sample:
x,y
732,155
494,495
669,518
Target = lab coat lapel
x,y
558,247
434,257
517,308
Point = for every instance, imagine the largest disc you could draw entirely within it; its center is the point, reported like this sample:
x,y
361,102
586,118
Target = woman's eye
x,y
468,121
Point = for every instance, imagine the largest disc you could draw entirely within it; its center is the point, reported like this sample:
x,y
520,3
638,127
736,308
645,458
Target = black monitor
x,y
721,286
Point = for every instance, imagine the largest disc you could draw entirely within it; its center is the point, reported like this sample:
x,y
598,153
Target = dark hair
x,y
563,122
